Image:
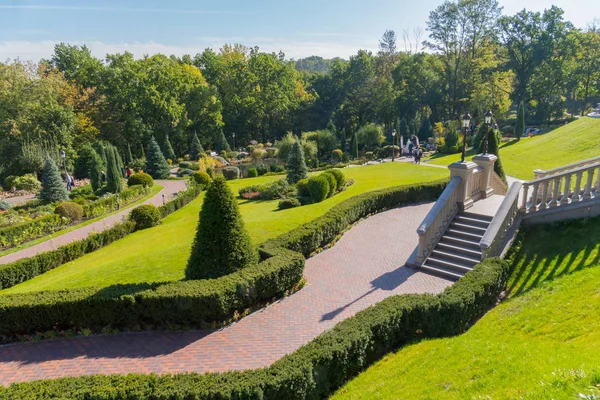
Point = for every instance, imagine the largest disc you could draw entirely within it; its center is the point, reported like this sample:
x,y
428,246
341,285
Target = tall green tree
x,y
156,164
195,147
114,179
222,245
221,143
129,157
520,122
168,149
54,189
95,172
296,165
426,130
494,148
354,146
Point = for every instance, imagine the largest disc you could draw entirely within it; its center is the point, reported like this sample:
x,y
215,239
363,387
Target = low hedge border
x,y
22,270
315,370
109,204
197,303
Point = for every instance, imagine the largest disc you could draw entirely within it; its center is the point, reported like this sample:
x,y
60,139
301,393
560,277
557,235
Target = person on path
x,y
419,155
70,182
128,172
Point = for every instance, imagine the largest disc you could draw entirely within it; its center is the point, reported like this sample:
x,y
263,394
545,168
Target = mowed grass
x,y
573,142
160,254
541,343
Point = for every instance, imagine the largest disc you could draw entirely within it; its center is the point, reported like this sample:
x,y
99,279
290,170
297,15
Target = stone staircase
x,y
458,251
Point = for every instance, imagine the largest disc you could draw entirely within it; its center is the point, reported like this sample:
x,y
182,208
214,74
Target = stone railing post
x,y
486,161
463,170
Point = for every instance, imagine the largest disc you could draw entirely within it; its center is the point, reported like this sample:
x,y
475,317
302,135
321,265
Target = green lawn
x,y
576,141
160,253
541,343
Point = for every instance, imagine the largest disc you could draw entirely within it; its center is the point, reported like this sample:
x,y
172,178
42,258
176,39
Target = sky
x,y
328,28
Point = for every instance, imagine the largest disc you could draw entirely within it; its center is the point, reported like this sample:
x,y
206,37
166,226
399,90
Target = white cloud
x,y
35,50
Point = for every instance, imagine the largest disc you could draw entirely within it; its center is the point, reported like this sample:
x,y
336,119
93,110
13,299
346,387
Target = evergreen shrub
x,y
231,173
318,187
252,173
145,216
140,178
332,183
70,210
202,178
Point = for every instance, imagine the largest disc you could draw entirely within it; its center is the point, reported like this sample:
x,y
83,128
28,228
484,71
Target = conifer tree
x,y
494,148
296,165
54,188
403,128
143,151
195,148
222,143
354,146
520,123
102,153
222,244
114,179
168,149
96,172
156,165
129,156
426,130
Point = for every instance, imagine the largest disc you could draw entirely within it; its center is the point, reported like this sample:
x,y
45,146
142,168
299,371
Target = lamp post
x,y
488,120
466,121
393,144
63,155
233,136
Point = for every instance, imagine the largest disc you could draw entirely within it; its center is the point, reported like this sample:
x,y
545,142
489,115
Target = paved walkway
x,y
170,188
18,200
364,267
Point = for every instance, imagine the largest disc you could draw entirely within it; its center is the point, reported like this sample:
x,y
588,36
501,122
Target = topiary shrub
x,y
185,164
231,173
318,188
263,169
222,244
252,173
145,216
339,177
276,168
69,210
202,178
296,166
288,203
302,187
184,172
210,172
140,178
332,183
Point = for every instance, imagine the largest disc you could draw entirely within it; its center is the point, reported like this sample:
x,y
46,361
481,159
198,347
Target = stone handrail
x,y
542,174
479,185
492,242
561,189
499,186
437,220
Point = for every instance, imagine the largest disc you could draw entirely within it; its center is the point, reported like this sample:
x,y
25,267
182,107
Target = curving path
x,y
364,267
169,189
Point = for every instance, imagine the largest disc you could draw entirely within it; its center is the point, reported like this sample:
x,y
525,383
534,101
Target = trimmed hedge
x,y
315,370
145,216
14,235
192,303
70,210
140,178
109,204
27,268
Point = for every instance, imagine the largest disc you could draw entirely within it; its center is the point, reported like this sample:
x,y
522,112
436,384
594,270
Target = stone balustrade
x,y
539,173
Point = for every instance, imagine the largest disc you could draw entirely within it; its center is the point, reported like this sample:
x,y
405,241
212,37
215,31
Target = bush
x,y
318,187
443,149
336,155
296,166
4,205
145,216
451,138
302,187
276,190
252,173
453,149
185,165
202,178
262,169
231,173
29,182
53,188
332,183
276,168
210,172
288,203
140,178
10,183
16,234
339,177
109,204
72,211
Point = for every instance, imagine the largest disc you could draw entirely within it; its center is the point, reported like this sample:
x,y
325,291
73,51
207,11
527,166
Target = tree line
x,y
474,59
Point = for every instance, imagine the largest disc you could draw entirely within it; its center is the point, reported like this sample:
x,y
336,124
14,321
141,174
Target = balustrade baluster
x,y
587,193
577,191
544,203
565,197
534,196
525,193
597,183
554,202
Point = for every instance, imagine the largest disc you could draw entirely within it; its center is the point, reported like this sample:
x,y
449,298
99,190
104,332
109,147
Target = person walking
x,y
69,180
128,172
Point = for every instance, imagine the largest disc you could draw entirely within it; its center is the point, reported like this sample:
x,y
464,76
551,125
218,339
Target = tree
x,y
403,128
54,189
221,143
520,123
296,165
494,148
95,172
425,131
222,244
156,165
114,179
84,162
129,157
195,147
168,149
354,146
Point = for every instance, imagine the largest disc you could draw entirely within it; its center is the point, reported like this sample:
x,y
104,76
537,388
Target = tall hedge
x,y
168,151
296,165
222,244
195,147
520,122
84,162
114,179
54,188
156,164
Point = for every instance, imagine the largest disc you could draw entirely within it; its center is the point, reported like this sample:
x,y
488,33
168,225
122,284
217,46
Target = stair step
x,y
477,230
479,217
451,248
457,241
472,221
472,237
440,254
449,265
453,276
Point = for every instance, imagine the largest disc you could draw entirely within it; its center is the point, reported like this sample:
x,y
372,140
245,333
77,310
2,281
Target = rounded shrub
x,y
252,173
288,203
70,210
339,177
185,165
210,172
185,172
202,178
332,183
4,205
231,173
263,169
28,182
222,244
453,149
318,188
302,187
140,178
145,216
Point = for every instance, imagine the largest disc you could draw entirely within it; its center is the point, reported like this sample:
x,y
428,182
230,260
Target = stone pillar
x,y
486,161
464,170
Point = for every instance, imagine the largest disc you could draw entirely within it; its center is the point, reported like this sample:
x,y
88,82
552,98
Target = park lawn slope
x,y
159,254
573,142
541,343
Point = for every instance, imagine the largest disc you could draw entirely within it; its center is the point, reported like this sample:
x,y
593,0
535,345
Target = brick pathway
x,y
363,268
170,187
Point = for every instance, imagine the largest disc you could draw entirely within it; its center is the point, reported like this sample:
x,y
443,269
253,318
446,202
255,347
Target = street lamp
x,y
233,136
488,120
466,121
63,155
393,144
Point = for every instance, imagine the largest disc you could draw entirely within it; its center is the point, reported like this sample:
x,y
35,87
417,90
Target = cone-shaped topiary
x,y
84,162
354,146
222,244
221,143
96,172
494,148
520,123
195,148
54,189
156,165
114,182
296,166
168,151
129,156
